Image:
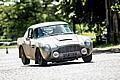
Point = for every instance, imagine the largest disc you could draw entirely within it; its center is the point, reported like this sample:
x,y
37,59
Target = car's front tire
x,y
39,59
87,59
24,59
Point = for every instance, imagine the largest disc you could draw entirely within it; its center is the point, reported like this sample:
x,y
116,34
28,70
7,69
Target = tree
x,y
72,11
114,21
15,19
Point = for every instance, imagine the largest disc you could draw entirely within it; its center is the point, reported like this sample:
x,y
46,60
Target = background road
x,y
103,67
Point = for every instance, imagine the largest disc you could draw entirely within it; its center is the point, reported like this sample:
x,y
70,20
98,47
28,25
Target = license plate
x,y
71,54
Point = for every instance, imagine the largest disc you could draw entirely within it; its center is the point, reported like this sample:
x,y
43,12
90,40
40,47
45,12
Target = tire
x,y
87,59
39,59
24,59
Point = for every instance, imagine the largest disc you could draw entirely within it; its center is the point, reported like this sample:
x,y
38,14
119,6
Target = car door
x,y
33,43
28,42
37,33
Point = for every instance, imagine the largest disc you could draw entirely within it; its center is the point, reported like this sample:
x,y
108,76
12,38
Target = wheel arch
x,y
36,62
42,60
36,51
42,54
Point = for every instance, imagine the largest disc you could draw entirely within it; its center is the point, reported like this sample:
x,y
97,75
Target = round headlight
x,y
56,54
84,51
87,43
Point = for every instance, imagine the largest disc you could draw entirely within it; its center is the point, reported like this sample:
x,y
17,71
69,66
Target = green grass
x,y
3,47
107,46
89,34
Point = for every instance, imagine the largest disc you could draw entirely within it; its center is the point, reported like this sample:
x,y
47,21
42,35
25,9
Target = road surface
x,y
104,66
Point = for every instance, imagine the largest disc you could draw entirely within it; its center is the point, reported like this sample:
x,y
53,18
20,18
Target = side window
x,y
36,33
30,33
40,32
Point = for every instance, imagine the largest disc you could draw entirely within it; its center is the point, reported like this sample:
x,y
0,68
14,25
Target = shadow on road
x,y
57,64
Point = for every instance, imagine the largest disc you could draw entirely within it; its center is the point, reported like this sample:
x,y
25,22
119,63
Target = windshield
x,y
53,30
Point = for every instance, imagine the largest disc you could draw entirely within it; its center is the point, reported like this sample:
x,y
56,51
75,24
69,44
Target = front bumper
x,y
69,52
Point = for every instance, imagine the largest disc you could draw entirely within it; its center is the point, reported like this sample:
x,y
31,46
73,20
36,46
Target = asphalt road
x,y
103,67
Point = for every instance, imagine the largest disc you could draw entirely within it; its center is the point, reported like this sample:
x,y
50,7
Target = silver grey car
x,y
53,42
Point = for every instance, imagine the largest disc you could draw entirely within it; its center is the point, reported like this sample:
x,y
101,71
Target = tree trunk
x,y
110,34
115,28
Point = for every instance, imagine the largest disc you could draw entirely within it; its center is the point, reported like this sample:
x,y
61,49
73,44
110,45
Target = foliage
x,y
87,12
72,10
86,15
115,7
15,19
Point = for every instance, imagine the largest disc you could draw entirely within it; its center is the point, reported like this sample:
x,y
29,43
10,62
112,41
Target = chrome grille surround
x,y
70,51
69,48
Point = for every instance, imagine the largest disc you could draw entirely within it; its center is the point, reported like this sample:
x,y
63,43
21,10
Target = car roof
x,y
47,24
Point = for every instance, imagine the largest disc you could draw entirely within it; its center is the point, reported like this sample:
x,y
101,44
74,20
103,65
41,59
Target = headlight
x,y
47,48
87,43
84,51
56,54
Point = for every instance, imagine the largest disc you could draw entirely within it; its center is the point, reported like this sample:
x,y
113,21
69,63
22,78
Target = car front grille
x,y
70,51
69,48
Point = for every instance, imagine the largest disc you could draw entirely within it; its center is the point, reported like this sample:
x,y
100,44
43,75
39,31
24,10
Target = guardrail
x,y
8,43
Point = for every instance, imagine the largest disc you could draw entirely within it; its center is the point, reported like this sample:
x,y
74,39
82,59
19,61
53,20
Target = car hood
x,y
60,40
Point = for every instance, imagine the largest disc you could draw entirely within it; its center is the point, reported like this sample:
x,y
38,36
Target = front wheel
x,y
87,58
24,59
39,59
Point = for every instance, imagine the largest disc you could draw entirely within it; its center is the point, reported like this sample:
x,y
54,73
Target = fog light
x,y
55,54
84,51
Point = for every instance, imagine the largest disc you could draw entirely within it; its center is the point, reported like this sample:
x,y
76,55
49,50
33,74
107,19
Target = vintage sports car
x,y
53,42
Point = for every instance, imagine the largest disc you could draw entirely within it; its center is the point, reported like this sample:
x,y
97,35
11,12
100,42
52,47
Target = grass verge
x,y
107,46
3,46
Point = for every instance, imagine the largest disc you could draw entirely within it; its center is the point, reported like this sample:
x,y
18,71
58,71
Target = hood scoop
x,y
65,39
